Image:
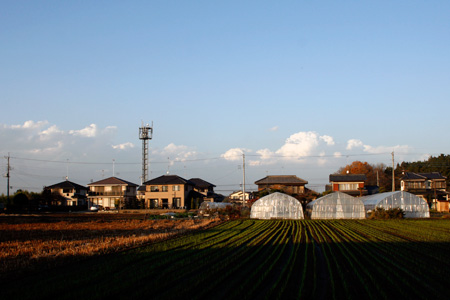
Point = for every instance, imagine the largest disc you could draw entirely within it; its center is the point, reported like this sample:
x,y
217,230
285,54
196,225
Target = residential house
x,y
207,189
73,194
168,191
173,191
288,184
111,192
237,196
432,187
351,184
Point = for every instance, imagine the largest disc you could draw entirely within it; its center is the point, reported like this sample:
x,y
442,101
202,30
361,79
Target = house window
x,y
153,203
154,188
176,202
165,188
66,191
348,186
176,188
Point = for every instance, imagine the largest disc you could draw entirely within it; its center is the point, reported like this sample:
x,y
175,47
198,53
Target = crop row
x,y
274,259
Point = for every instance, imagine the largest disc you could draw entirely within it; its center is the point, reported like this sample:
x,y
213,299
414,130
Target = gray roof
x,y
281,179
67,184
422,176
201,183
168,179
347,177
112,181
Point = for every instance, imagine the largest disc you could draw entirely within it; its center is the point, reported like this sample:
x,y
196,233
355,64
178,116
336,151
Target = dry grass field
x,y
36,242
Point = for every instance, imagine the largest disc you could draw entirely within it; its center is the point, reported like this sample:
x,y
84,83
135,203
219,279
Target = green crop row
x,y
272,259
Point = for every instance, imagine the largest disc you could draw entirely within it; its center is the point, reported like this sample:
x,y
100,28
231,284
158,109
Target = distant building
x,y
288,184
432,187
111,192
173,191
73,194
351,184
237,196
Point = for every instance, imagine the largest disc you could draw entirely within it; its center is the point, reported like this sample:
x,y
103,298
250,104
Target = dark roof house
x,y
289,184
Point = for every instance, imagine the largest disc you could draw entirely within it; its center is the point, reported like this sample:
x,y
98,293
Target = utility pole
x,y
393,173
243,185
8,168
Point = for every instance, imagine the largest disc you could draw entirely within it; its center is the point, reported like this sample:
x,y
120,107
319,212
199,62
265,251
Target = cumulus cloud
x,y
123,146
354,143
234,154
299,144
327,139
296,147
176,152
89,131
30,125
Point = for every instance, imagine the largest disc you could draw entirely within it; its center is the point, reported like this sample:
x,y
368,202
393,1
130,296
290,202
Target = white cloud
x,y
123,146
299,144
235,154
322,160
88,131
176,152
385,149
327,139
30,125
273,129
296,147
354,143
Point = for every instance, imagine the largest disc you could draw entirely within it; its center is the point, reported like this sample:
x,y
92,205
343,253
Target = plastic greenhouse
x,y
277,206
336,205
412,205
214,205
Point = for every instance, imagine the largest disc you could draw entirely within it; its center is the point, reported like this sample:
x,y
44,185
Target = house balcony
x,y
109,194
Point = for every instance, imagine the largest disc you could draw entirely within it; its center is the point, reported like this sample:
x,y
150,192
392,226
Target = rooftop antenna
x,y
145,134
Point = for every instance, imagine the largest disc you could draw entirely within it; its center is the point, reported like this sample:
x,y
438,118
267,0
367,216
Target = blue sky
x,y
301,87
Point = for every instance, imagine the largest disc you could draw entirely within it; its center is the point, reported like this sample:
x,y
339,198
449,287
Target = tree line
x,y
381,175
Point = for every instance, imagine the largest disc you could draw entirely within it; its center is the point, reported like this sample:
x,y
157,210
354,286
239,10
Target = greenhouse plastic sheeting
x,y
412,205
336,205
214,205
277,206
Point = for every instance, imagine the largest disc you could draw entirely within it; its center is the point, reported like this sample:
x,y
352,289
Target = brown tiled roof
x,y
112,181
281,179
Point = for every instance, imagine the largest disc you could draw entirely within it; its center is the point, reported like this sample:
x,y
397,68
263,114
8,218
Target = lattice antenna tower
x,y
145,134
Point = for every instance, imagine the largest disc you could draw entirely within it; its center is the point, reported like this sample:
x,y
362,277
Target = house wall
x,y
69,194
159,196
337,186
109,195
288,189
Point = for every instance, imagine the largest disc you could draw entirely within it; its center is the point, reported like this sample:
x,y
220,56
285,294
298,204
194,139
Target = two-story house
x,y
73,194
167,191
351,184
288,184
173,191
432,187
207,189
111,192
